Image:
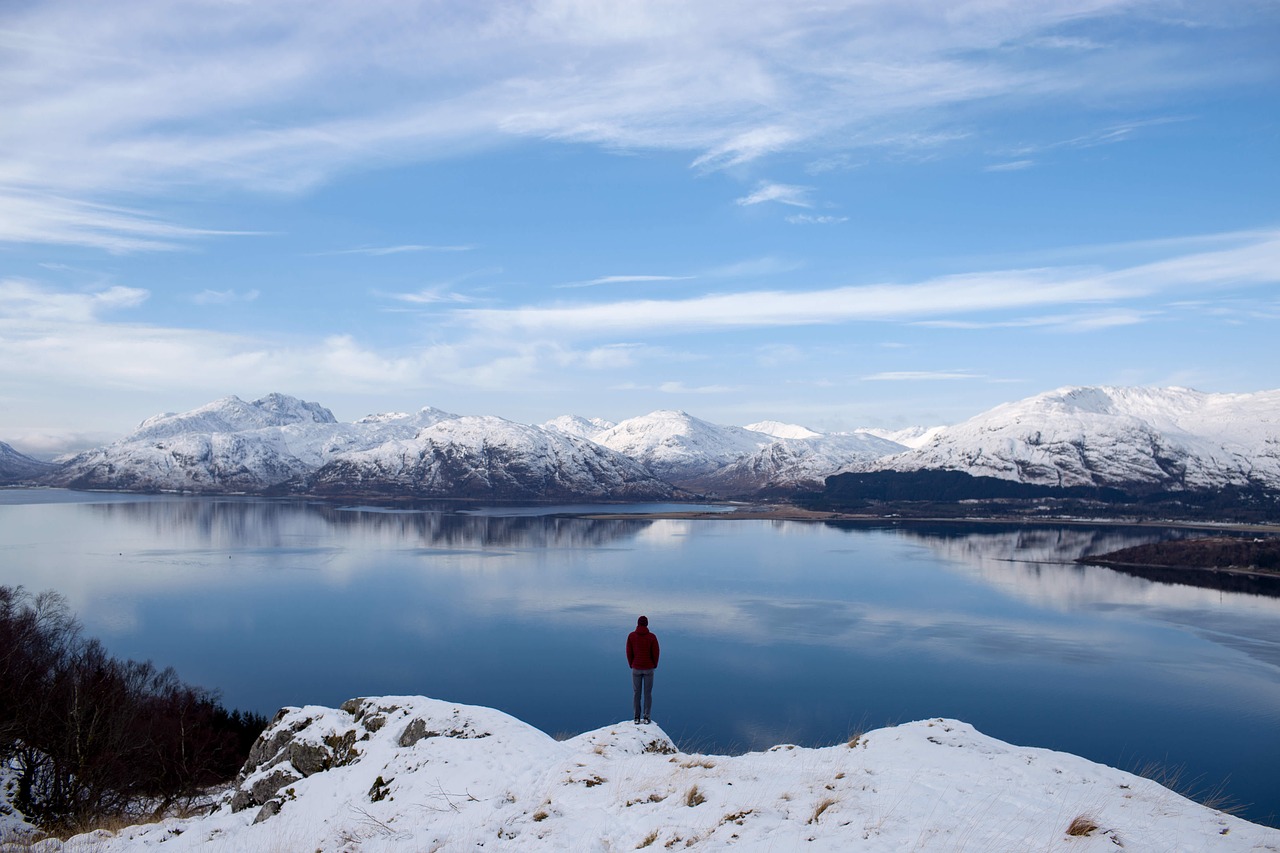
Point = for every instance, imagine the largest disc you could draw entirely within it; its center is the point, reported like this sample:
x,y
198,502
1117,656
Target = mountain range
x,y
1132,439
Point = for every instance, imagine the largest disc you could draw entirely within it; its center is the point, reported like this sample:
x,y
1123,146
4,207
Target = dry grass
x,y
1082,825
698,762
855,739
825,804
648,839
540,815
694,797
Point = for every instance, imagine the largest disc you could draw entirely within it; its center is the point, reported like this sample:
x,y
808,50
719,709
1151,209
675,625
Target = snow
x,y
1171,438
777,429
1158,438
408,773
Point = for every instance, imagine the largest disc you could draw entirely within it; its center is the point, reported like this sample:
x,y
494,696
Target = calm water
x,y
771,631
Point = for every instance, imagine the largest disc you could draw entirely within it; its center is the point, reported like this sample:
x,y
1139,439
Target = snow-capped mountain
x,y
911,437
777,429
17,467
680,448
232,446
789,464
1128,438
492,458
1165,438
579,427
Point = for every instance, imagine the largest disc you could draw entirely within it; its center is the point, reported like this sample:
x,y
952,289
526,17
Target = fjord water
x,y
771,632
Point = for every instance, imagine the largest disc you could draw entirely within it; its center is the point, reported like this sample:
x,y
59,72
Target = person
x,y
642,657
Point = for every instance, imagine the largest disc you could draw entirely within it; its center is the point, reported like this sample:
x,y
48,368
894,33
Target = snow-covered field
x,y
409,773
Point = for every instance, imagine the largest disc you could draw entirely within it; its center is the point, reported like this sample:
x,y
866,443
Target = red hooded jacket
x,y
642,648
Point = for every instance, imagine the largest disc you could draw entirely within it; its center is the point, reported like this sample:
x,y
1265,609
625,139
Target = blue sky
x,y
874,213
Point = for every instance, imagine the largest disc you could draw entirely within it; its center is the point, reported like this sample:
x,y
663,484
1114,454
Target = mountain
x,y
1169,439
489,458
786,465
17,467
411,773
680,448
911,437
233,446
777,429
578,427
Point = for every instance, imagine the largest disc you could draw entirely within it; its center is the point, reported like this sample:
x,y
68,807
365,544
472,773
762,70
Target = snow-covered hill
x,y
680,448
1167,438
492,458
777,429
579,427
17,467
409,773
795,463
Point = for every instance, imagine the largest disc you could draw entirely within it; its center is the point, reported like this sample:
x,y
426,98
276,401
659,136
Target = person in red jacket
x,y
642,657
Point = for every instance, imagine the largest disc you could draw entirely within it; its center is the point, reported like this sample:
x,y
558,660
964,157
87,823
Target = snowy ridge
x,y
1129,438
1168,438
678,447
578,427
408,773
777,429
789,464
489,457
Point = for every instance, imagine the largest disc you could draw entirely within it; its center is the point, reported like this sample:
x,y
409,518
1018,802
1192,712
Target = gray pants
x,y
642,683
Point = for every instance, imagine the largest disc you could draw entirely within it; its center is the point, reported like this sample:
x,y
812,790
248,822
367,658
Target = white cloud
x,y
223,297
920,376
282,96
1011,166
626,279
809,219
1252,263
21,300
379,251
681,388
781,193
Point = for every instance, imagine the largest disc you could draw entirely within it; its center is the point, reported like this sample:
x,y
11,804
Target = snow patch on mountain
x,y
401,773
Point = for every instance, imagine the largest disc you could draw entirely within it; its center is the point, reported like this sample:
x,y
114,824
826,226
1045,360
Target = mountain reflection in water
x,y
772,631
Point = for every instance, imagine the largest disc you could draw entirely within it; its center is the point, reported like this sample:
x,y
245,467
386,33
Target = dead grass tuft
x,y
1082,825
694,797
648,839
821,807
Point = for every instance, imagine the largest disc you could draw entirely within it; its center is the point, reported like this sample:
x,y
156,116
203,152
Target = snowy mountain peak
x,y
1165,438
677,446
231,414
777,429
581,427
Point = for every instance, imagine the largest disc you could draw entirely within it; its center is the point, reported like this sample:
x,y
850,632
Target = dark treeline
x,y
92,737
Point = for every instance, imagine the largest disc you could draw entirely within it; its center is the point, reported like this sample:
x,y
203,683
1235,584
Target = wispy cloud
x,y
626,279
223,297
795,196
921,376
1252,263
379,251
272,100
810,219
1011,166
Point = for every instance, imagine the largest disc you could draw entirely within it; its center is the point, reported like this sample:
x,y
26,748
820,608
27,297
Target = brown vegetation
x,y
94,738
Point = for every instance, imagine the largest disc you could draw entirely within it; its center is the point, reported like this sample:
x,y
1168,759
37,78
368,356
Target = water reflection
x,y
771,630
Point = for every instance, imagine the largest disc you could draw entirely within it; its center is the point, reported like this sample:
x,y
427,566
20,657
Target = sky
x,y
872,213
